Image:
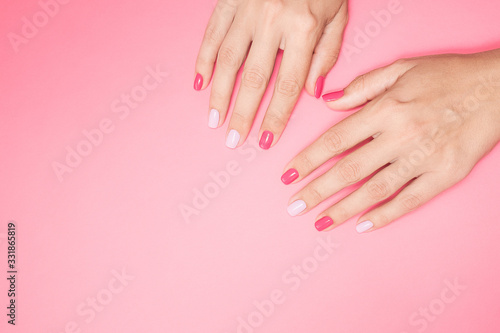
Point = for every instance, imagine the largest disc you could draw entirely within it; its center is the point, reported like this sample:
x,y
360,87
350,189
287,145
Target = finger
x,y
367,86
231,56
326,52
348,171
255,78
381,186
339,138
418,192
217,28
289,83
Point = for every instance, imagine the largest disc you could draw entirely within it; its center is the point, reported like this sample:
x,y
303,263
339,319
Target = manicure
x,y
296,207
198,82
319,86
333,96
232,139
364,226
213,118
266,140
289,176
323,223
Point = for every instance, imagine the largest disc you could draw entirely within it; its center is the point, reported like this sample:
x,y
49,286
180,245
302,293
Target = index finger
x,y
339,138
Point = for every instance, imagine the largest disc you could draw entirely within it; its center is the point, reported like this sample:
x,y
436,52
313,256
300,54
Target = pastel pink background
x,y
120,209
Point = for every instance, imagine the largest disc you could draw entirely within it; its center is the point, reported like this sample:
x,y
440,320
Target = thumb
x,y
368,86
326,53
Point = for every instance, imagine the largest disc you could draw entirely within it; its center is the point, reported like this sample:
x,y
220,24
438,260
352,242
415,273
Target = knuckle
x,y
228,3
460,174
404,64
459,171
313,195
391,102
344,16
288,86
400,62
414,132
216,97
203,61
239,119
334,142
382,220
349,171
276,122
308,22
411,201
453,165
332,55
378,190
397,97
340,212
360,82
212,34
305,162
228,57
254,78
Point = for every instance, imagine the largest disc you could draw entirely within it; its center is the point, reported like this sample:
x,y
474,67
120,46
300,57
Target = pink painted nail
x,y
198,82
296,207
289,176
266,140
333,96
323,223
364,226
319,86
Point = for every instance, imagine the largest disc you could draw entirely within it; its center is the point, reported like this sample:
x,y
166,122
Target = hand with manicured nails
x,y
428,121
310,33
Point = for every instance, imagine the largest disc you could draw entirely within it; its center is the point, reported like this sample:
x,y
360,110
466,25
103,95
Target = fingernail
x,y
289,176
333,96
266,140
364,226
319,86
232,139
213,118
323,223
296,207
198,82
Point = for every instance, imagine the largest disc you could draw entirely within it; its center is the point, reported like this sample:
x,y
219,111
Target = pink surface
x,y
239,263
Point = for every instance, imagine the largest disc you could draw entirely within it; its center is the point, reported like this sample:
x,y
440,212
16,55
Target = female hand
x,y
430,120
310,33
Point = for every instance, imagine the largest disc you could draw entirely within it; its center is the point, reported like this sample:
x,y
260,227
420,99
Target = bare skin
x,y
431,119
310,33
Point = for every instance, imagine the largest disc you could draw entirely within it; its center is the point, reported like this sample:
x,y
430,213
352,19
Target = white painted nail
x,y
232,139
213,118
296,207
364,226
